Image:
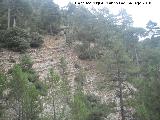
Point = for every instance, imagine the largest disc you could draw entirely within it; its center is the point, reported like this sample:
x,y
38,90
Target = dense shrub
x,y
80,78
85,52
55,30
36,40
26,66
17,32
17,43
99,111
17,39
2,32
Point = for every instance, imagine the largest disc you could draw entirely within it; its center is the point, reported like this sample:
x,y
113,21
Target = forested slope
x,y
76,64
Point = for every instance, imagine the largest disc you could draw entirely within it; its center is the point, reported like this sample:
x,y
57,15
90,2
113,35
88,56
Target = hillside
x,y
49,55
76,63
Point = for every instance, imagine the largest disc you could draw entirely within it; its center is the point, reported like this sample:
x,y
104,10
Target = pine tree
x,y
3,98
117,68
25,96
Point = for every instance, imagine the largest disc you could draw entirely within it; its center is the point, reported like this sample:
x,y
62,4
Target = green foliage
x,y
63,65
25,93
2,34
17,44
19,81
79,107
58,97
26,65
142,113
20,12
45,17
98,110
36,40
3,83
80,79
35,16
95,27
95,31
86,52
152,43
54,77
147,99
16,32
3,87
89,107
18,39
3,14
21,91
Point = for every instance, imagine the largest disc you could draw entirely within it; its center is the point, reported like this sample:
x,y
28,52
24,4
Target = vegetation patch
x,y
85,52
19,40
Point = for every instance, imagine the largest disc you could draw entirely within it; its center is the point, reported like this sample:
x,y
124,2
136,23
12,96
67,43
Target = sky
x,y
141,13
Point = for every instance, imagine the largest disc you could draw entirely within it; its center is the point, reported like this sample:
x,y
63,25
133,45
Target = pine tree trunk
x,y
137,59
121,95
51,31
54,109
120,81
137,63
121,100
14,22
9,16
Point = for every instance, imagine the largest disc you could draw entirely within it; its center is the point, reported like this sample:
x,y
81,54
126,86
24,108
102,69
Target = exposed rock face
x,y
49,55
